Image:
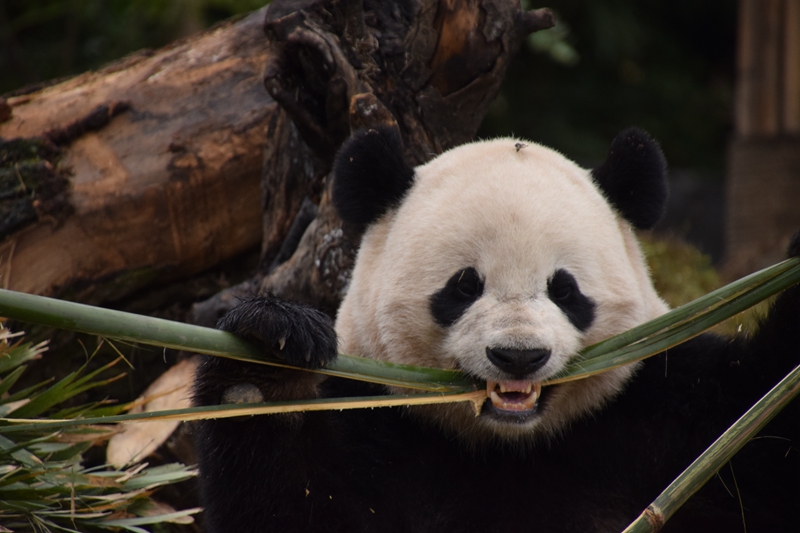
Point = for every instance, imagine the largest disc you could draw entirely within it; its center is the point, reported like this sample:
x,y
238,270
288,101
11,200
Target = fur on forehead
x,y
372,176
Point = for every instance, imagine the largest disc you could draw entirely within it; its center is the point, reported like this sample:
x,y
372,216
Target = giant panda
x,y
502,259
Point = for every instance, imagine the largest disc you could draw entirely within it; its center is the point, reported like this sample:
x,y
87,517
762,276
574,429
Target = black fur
x,y
307,335
371,175
634,178
238,456
794,246
453,300
563,290
382,471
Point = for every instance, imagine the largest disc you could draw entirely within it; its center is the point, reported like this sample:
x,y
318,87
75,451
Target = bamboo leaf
x,y
175,517
18,355
10,380
47,399
42,483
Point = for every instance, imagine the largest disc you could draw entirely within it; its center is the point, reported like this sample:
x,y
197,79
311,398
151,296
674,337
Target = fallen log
x,y
158,157
153,163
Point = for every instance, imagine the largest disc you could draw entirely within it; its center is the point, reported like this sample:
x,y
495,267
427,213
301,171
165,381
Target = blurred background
x,y
668,67
716,82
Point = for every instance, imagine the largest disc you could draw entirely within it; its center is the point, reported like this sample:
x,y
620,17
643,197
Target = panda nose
x,y
518,362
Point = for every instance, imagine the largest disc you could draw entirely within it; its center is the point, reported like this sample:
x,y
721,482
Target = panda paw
x,y
297,333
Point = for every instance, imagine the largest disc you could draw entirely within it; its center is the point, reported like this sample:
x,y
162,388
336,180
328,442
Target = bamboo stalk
x,y
230,410
168,334
683,323
645,340
715,298
720,452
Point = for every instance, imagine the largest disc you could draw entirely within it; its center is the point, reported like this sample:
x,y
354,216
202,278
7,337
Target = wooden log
x,y
429,68
162,152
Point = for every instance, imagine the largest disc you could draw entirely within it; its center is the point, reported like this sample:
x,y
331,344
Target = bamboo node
x,y
655,517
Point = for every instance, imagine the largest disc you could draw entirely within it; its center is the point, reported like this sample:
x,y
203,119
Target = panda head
x,y
502,259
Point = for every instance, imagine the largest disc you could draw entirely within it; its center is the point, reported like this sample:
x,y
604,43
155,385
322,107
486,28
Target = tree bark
x,y
153,162
158,158
429,68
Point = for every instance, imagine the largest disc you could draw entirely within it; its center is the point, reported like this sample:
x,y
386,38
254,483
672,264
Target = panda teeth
x,y
510,386
530,389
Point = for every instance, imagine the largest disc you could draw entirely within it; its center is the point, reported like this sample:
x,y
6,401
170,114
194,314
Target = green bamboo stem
x,y
683,323
650,338
720,452
168,334
749,283
12,425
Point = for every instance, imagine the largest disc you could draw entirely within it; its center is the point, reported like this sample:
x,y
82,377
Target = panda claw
x,y
299,334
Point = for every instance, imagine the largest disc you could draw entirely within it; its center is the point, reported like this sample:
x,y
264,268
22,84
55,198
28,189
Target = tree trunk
x,y
429,69
763,188
161,153
148,169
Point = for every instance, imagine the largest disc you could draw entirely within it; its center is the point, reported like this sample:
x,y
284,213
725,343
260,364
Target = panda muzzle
x,y
518,395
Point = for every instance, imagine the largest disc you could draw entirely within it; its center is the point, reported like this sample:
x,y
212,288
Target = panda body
x,y
502,259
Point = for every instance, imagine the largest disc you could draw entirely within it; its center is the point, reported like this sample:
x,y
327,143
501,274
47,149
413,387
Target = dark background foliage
x,y
665,66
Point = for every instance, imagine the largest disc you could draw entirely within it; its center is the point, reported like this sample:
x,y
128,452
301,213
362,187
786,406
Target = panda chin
x,y
515,402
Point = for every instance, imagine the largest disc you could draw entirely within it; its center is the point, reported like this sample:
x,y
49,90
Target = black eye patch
x,y
451,301
563,290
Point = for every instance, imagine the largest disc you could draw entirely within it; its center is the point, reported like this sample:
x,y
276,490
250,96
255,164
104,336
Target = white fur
x,y
516,216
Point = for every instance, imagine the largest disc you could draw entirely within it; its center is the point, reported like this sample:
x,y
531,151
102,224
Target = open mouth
x,y
513,397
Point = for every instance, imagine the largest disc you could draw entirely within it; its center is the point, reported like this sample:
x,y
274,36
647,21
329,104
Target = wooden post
x,y
763,188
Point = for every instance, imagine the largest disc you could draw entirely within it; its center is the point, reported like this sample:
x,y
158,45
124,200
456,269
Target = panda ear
x,y
634,178
370,175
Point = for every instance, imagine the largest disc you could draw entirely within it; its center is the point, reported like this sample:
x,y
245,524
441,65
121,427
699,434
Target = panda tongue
x,y
517,395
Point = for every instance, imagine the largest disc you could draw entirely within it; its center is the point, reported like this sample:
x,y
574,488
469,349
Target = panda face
x,y
503,263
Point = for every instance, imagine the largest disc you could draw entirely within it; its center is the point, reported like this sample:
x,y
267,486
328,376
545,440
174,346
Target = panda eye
x,y
450,302
561,287
468,284
564,291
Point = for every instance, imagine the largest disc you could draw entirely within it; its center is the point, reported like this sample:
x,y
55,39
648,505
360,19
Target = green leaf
x,y
20,454
9,381
146,520
17,355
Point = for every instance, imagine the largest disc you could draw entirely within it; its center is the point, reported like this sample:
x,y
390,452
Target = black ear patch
x,y
634,178
371,175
